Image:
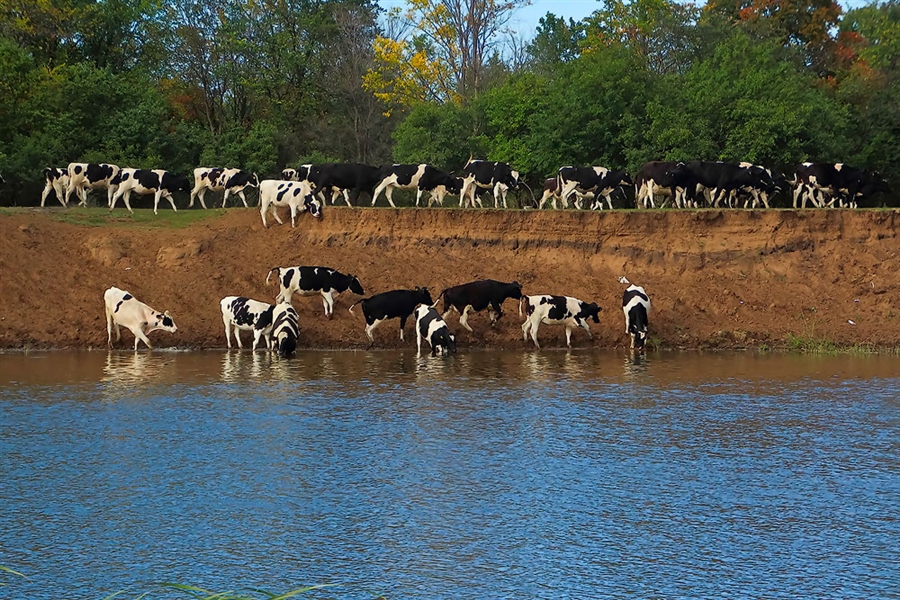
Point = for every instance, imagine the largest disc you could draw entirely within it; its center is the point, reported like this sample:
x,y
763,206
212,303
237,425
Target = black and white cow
x,y
557,310
55,180
144,182
551,193
478,295
600,182
722,179
241,314
349,179
231,181
285,329
660,177
296,195
841,182
432,328
422,178
768,183
310,281
124,309
301,173
636,306
396,304
84,177
496,176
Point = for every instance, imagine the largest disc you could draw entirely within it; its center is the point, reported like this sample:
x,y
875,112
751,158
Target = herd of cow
x,y
277,325
305,189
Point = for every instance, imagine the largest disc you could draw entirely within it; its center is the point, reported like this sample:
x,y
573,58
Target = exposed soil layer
x,y
716,278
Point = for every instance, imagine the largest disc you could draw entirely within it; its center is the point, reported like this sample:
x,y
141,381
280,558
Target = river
x,y
482,475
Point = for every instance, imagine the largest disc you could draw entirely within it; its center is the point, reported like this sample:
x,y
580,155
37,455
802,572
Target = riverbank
x,y
716,278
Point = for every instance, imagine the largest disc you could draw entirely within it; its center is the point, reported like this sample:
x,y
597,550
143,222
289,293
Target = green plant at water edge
x,y
8,570
202,594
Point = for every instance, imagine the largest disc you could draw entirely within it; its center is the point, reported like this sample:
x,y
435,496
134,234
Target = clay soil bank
x,y
717,279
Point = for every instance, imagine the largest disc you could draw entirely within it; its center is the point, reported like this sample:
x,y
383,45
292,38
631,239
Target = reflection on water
x,y
535,474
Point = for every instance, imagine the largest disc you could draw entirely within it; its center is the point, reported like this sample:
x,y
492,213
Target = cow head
x,y
423,296
513,180
253,180
180,183
289,175
515,290
355,286
313,206
625,180
444,340
591,311
286,343
165,322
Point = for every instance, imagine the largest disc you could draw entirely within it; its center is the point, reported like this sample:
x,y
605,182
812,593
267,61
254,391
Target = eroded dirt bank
x,y
716,278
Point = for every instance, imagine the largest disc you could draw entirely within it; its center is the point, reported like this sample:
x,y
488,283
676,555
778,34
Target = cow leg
x,y
419,195
378,191
608,201
535,323
127,200
402,325
584,325
237,335
109,329
389,194
257,333
346,198
243,198
526,327
170,198
140,337
225,197
44,194
568,337
418,342
227,322
293,206
328,301
463,318
496,313
371,328
84,193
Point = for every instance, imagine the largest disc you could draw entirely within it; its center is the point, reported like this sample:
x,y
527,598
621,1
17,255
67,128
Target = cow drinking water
x,y
124,309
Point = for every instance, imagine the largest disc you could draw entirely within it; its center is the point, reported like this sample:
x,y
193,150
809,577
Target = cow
x,y
231,181
551,192
143,182
581,180
285,329
84,177
499,177
635,305
55,180
396,304
124,309
422,178
768,183
242,313
660,177
431,327
346,178
720,178
297,195
608,184
478,295
557,310
301,173
842,182
309,281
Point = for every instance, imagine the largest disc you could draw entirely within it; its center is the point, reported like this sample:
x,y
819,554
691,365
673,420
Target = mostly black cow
x,y
349,179
838,181
396,304
422,178
230,181
285,329
721,179
143,182
311,281
636,306
496,176
477,296
242,314
432,328
660,177
55,180
569,312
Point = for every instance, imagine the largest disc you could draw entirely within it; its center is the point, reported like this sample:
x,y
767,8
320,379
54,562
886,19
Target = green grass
x,y
808,344
142,217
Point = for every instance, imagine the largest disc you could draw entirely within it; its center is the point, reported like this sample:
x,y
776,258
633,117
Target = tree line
x,y
265,84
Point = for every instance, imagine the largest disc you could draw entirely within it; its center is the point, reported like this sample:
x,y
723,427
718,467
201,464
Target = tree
x,y
445,56
555,42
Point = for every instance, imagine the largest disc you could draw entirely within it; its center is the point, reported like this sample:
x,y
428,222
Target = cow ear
x,y
167,314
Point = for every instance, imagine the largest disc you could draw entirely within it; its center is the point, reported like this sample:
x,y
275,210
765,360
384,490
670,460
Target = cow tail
x,y
354,304
438,299
269,274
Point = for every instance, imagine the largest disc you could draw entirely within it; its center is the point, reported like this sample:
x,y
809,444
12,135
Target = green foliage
x,y
438,134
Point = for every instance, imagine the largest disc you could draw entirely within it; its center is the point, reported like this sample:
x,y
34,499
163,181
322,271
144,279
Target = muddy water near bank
x,y
485,475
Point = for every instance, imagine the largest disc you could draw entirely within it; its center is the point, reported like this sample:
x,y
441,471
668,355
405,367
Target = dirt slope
x,y
715,278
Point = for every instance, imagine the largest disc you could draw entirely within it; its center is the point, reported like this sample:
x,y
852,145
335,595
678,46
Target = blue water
x,y
481,475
